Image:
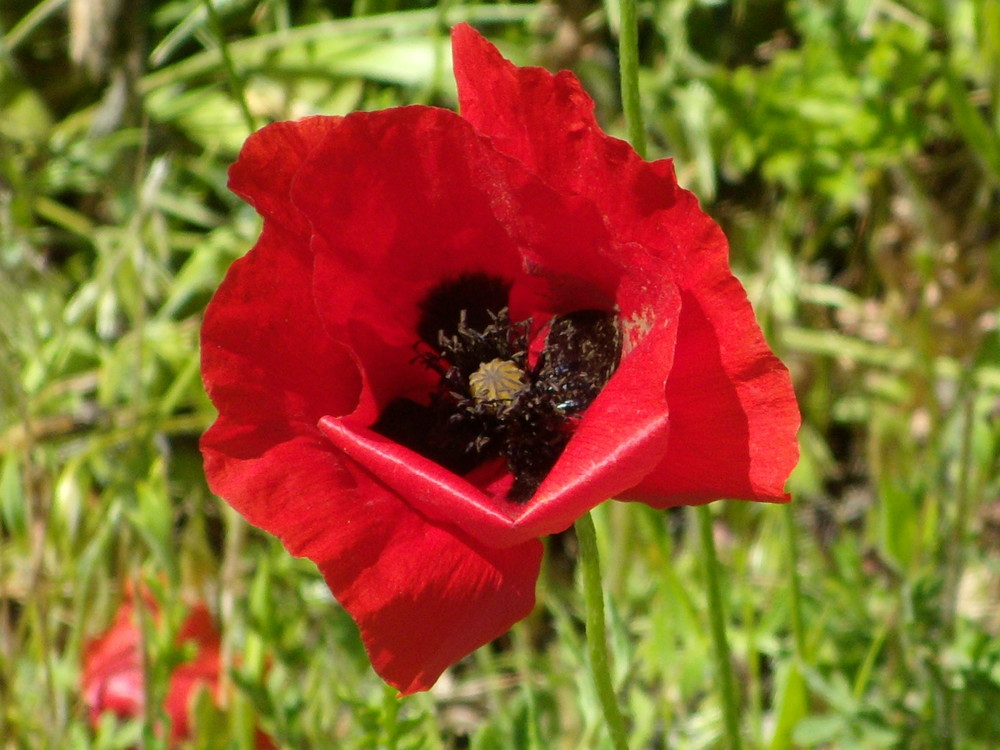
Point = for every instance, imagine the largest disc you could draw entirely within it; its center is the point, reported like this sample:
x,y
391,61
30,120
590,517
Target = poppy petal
x,y
273,373
268,162
112,670
724,377
312,337
422,595
473,211
403,201
254,356
623,434
733,411
620,440
200,673
547,123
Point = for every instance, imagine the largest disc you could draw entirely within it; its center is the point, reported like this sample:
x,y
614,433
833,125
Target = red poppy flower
x,y
113,674
458,333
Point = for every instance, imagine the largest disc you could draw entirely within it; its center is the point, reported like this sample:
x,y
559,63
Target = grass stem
x,y
723,661
597,646
235,81
794,584
628,52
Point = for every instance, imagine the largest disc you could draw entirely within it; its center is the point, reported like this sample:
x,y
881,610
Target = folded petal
x,y
624,433
273,373
733,411
734,415
423,596
732,421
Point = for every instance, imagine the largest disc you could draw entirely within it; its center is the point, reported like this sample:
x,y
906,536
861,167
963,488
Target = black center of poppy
x,y
489,402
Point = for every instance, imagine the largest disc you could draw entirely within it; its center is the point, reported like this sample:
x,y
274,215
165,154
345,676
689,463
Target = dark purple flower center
x,y
490,403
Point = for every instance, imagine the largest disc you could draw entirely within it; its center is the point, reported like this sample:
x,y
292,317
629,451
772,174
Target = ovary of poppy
x,y
113,678
402,252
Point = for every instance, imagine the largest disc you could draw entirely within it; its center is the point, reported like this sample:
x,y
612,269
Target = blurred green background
x,y
851,150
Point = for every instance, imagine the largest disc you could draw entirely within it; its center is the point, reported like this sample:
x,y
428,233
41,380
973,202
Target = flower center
x,y
496,380
489,402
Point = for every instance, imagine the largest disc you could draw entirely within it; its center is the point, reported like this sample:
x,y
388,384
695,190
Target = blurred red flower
x,y
113,674
459,333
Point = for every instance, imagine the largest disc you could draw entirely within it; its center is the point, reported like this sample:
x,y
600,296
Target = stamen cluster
x,y
530,425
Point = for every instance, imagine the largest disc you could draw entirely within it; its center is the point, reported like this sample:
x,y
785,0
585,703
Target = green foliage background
x,y
851,149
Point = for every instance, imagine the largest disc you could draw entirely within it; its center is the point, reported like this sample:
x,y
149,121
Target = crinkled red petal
x,y
405,199
269,161
733,411
273,372
733,414
423,595
265,357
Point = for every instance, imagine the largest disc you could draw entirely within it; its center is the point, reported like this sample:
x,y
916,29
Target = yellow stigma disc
x,y
496,380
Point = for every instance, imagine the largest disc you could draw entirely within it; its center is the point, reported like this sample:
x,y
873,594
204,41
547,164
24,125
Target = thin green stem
x,y
390,718
31,21
723,661
628,54
794,583
597,646
235,81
